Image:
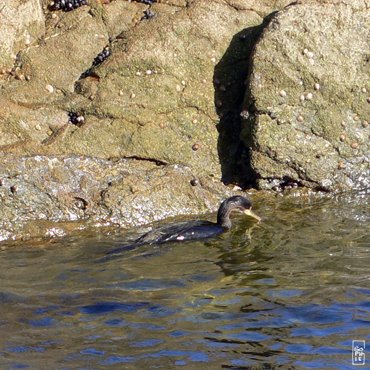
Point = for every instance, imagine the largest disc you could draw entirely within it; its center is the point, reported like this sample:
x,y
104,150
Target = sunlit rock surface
x,y
308,98
22,22
167,100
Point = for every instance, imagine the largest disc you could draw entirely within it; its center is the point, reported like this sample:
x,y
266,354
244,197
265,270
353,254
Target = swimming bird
x,y
195,230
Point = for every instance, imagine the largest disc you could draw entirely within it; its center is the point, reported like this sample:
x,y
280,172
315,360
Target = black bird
x,y
195,230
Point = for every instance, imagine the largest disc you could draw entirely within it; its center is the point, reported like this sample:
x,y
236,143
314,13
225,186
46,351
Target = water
x,y
291,293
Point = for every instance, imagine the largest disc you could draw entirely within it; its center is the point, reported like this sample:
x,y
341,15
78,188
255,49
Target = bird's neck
x,y
223,218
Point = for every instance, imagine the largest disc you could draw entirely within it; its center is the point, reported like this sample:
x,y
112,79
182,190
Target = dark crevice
x,y
158,162
230,83
98,60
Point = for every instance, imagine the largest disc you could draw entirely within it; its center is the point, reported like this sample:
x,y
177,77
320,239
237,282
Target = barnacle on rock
x,y
67,5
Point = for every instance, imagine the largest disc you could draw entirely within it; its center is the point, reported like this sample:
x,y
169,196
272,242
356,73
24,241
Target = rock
x,y
59,60
128,112
21,23
151,101
318,52
51,196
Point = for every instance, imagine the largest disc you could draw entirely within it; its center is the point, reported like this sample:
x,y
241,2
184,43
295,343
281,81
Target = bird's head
x,y
235,203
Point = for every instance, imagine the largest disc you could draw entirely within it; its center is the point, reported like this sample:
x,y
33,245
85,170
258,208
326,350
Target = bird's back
x,y
181,232
184,231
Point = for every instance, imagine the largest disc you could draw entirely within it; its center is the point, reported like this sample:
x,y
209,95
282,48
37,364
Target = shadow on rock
x,y
230,81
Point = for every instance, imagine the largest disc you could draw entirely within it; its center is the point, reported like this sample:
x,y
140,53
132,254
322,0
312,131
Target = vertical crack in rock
x,y
230,81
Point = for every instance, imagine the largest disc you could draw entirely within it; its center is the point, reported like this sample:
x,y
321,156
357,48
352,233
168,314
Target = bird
x,y
195,230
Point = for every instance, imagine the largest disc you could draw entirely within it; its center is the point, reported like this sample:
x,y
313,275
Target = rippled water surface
x,y
291,293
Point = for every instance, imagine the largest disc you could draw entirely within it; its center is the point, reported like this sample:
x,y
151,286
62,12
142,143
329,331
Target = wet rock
x,y
47,196
304,139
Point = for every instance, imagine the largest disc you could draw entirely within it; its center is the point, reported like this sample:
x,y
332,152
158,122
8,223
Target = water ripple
x,y
292,293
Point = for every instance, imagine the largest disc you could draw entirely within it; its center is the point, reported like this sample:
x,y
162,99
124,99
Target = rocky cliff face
x,y
308,98
155,96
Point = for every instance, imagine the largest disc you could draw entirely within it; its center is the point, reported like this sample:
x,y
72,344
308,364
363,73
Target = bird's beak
x,y
249,212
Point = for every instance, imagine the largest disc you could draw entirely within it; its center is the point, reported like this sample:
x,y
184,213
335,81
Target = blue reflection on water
x,y
113,360
92,351
146,343
279,302
19,366
23,349
43,322
100,308
118,322
178,333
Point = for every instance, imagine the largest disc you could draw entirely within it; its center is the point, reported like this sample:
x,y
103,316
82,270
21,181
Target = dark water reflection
x,y
292,294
